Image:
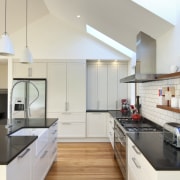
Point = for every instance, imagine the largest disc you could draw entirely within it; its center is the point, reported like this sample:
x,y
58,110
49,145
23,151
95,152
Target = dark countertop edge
x,y
94,110
53,120
20,151
156,168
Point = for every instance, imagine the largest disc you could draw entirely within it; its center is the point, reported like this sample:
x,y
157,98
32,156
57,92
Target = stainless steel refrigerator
x,y
29,98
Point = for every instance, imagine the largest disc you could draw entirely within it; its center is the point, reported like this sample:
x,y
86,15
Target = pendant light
x,y
6,47
27,56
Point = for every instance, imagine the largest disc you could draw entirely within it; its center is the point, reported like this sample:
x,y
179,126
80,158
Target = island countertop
x,y
12,146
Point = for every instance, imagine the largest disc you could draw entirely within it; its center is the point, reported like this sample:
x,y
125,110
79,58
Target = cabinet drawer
x,y
137,162
71,129
72,117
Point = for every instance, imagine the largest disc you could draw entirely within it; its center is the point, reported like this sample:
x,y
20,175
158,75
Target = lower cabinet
x,y
110,129
32,166
140,169
72,125
21,167
97,125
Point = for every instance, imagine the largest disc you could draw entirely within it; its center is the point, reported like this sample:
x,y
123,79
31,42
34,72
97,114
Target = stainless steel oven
x,y
120,148
123,126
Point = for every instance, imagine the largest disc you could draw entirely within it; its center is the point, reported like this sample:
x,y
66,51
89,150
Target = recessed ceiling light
x,y
78,16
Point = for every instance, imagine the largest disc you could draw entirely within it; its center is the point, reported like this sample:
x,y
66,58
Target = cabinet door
x,y
56,101
122,87
96,125
76,87
112,86
35,70
21,167
92,86
102,87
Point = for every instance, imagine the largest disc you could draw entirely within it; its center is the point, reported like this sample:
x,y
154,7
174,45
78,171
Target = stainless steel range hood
x,y
145,69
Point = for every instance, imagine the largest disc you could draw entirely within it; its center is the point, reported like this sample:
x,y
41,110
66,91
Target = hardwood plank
x,y
85,161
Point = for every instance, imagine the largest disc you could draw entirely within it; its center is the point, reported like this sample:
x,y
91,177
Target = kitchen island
x,y
152,158
15,148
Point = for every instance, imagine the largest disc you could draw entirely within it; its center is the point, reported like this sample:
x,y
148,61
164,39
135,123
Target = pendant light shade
x,y
26,56
6,47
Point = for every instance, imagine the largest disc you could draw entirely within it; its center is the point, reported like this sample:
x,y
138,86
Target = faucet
x,y
10,123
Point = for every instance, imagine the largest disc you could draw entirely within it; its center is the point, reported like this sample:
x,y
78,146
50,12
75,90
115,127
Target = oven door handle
x,y
123,143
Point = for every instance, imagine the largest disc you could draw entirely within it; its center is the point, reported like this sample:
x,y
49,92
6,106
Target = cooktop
x,y
142,125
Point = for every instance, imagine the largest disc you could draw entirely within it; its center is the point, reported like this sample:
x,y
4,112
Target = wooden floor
x,y
84,161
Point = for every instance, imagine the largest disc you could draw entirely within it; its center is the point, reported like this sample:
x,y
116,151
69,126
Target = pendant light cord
x,y
26,22
5,16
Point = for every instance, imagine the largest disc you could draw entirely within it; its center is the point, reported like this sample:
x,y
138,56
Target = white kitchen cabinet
x,y
66,87
110,129
72,125
34,70
97,86
56,80
52,143
122,87
96,124
140,169
116,90
113,86
21,167
104,90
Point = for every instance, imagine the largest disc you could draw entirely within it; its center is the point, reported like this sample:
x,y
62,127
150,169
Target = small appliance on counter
x,y
125,108
171,133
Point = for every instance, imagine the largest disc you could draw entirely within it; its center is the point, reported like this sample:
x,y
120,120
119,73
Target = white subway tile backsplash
x,y
148,93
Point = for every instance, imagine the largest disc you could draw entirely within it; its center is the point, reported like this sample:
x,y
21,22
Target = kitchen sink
x,y
42,134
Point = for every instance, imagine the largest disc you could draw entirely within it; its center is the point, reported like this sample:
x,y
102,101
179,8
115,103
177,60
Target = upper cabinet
x,y
66,87
97,86
104,89
34,70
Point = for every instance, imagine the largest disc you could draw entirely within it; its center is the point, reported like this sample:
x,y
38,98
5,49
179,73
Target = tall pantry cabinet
x,y
67,96
104,90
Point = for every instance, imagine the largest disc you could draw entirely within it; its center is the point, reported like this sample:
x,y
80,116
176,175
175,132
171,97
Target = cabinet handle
x,y
44,154
23,154
135,149
136,163
54,151
54,132
29,72
98,104
66,123
116,104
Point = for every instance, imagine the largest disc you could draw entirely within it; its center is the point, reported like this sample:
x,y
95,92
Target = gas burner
x,y
141,129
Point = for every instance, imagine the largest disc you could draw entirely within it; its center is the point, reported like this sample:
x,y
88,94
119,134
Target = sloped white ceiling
x,y
119,19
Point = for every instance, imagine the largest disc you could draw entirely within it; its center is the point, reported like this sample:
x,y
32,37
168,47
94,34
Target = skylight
x,y
107,40
165,9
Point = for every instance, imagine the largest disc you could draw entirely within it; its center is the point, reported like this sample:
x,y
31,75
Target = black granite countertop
x,y
118,114
162,156
12,146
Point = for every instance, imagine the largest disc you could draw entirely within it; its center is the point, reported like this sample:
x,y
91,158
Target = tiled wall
x,y
148,93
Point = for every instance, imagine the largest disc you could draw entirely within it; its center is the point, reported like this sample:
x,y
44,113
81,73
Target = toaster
x,y
171,133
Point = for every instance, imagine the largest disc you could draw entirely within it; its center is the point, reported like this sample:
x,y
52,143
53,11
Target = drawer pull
x,y
135,149
66,123
44,154
136,163
22,155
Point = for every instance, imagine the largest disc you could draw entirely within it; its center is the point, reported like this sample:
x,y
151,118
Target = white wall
x,y
52,38
168,47
3,76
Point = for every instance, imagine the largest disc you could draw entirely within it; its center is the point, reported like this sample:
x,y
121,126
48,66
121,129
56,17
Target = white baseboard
x,y
83,140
